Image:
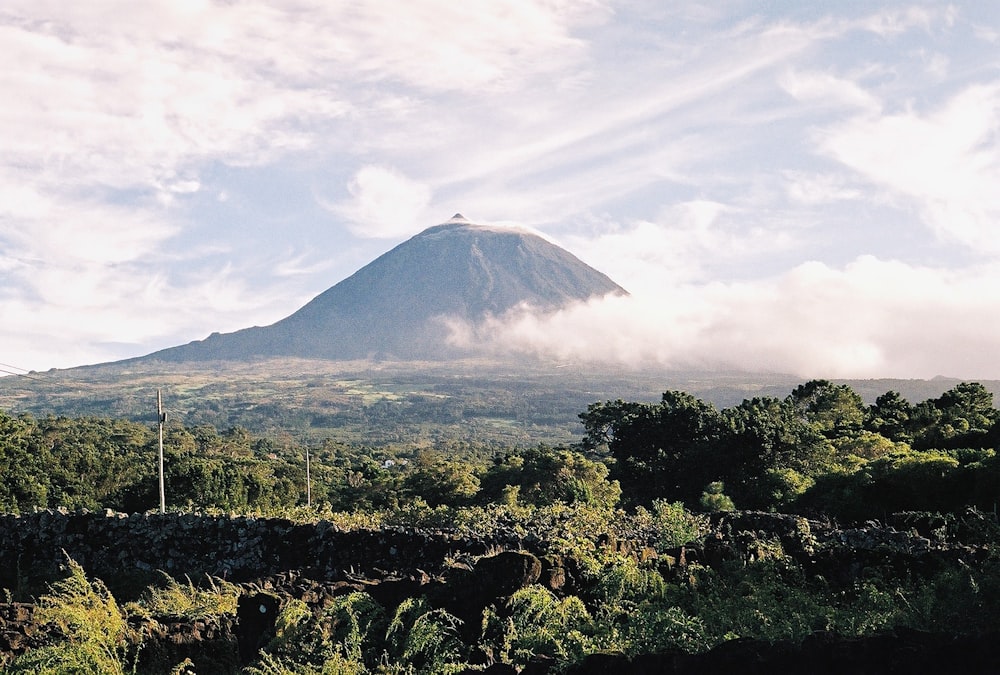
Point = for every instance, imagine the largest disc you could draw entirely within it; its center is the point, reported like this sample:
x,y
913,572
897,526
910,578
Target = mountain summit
x,y
399,306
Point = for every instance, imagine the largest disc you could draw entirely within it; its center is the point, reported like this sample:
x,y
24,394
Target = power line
x,y
34,376
24,375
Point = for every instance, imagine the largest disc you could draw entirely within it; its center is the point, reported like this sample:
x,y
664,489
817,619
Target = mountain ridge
x,y
398,306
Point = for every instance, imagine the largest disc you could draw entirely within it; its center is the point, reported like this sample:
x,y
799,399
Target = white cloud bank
x,y
871,318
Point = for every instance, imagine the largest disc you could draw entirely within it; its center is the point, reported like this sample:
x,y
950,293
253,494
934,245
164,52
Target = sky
x,y
799,187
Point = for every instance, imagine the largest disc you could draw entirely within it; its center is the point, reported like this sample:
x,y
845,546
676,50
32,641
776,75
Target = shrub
x,y
186,601
97,636
714,498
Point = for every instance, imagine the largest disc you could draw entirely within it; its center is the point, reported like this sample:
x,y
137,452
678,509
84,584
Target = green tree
x,y
439,480
545,475
659,449
963,416
24,483
890,417
767,438
714,498
834,410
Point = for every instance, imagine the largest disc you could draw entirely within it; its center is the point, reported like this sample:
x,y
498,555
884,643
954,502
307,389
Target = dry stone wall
x,y
117,546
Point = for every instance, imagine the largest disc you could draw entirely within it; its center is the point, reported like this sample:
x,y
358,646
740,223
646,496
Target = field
x,y
387,403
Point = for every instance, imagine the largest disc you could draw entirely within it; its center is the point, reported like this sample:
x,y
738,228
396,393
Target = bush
x,y
714,499
97,637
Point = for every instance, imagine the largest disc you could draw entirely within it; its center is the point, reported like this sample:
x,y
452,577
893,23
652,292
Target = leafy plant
x,y
187,601
426,638
96,635
535,622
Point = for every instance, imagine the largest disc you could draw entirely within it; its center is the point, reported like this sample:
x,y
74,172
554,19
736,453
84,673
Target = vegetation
x,y
96,636
820,449
654,473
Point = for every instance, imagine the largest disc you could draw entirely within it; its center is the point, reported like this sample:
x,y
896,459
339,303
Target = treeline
x,y
95,463
821,449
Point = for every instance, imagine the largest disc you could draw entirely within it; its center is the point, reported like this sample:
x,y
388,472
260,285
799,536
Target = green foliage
x,y
786,486
715,499
536,622
187,601
661,449
97,637
834,410
340,640
355,620
902,481
542,476
867,445
438,480
622,578
890,417
669,524
300,643
765,436
650,626
772,599
961,417
24,484
426,638
770,453
819,449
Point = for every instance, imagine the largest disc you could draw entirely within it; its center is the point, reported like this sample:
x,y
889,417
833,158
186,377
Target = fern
x,y
427,638
97,636
186,601
535,622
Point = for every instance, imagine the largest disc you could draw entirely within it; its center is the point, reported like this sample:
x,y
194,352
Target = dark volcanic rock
x,y
255,618
902,652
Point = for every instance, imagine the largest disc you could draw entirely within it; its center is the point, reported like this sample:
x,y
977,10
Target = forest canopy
x,y
820,450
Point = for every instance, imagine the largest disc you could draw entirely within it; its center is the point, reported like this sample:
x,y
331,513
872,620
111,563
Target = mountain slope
x,y
394,307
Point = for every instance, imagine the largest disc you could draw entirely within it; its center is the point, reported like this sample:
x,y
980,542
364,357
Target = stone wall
x,y
116,546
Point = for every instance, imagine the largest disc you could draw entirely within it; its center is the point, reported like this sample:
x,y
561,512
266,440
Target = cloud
x,y
814,189
946,162
891,22
688,242
732,146
90,312
384,203
872,318
828,89
447,45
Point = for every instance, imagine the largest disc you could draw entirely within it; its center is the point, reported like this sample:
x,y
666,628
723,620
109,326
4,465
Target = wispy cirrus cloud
x,y
945,161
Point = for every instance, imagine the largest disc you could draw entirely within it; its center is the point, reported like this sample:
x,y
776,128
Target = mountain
x,y
396,307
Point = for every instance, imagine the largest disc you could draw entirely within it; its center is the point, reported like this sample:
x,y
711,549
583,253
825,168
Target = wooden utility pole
x,y
161,417
309,500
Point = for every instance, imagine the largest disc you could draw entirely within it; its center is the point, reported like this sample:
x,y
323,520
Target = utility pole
x,y
161,417
309,500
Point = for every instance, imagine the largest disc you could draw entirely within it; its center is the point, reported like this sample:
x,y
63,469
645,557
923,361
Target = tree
x,y
834,410
438,480
961,417
890,417
714,498
660,449
24,483
545,475
768,438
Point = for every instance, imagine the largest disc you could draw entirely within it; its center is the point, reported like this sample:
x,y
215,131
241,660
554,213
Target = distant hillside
x,y
396,306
